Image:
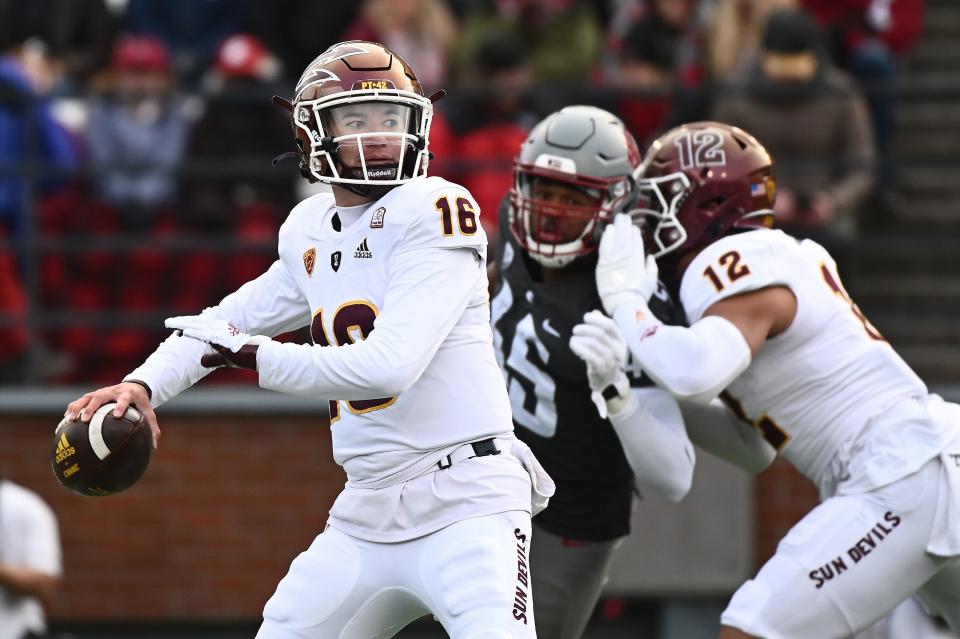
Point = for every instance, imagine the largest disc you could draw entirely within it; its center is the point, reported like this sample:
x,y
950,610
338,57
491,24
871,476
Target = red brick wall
x,y
207,533
225,506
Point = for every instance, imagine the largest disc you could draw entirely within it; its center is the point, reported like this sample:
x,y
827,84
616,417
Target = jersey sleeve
x,y
427,294
446,217
730,266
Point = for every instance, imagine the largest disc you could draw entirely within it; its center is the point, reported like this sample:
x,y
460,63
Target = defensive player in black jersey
x,y
599,432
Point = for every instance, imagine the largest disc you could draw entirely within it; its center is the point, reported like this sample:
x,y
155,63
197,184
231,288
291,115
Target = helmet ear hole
x,y
712,203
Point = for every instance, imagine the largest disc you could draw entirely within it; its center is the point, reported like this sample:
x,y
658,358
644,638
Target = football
x,y
103,456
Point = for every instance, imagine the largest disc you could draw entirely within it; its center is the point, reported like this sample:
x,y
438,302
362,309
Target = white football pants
x,y
473,576
850,561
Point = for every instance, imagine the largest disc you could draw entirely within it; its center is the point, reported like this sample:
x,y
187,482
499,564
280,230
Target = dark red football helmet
x,y
700,181
360,118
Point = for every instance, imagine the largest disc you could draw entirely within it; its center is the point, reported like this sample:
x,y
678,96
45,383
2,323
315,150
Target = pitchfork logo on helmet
x,y
701,181
360,118
573,174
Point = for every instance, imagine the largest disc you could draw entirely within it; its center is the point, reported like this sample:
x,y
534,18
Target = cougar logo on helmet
x,y
573,174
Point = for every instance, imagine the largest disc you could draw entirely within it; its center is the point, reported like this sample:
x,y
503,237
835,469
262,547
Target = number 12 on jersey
x,y
730,263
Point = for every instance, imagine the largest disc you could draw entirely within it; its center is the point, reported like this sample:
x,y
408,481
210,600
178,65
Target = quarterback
x,y
389,272
774,332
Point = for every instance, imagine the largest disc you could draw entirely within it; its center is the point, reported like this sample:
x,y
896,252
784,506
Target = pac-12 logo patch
x,y
376,220
335,261
309,260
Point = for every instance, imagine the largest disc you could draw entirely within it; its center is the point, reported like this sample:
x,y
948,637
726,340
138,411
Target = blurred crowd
x,y
136,135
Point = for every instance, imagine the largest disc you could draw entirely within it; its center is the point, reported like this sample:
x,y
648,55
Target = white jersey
x,y
823,386
411,265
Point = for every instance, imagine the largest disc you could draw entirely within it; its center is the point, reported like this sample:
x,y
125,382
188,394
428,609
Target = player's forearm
x,y
718,431
694,363
366,370
655,443
172,368
28,582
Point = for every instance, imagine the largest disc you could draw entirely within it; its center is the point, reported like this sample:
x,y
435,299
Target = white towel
x,y
541,484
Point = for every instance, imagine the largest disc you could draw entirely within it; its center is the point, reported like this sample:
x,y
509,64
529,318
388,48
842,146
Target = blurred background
x,y
136,183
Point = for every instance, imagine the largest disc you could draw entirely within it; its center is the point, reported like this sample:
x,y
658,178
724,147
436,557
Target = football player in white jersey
x,y
601,433
773,329
435,515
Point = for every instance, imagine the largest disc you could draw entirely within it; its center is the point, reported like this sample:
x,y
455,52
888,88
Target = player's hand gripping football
x,y
624,274
233,348
125,394
598,342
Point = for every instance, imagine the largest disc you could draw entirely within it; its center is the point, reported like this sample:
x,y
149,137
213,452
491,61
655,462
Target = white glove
x,y
624,275
209,329
598,342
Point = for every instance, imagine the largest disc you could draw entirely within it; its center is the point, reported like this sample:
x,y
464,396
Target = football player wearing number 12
x,y
389,272
601,433
772,327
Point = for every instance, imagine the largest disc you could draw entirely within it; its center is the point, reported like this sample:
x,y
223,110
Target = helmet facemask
x,y
557,217
658,202
366,138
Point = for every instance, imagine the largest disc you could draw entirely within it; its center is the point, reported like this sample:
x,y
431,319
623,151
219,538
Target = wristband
x,y
140,383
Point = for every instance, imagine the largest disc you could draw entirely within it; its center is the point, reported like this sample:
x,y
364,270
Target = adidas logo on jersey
x,y
363,251
64,449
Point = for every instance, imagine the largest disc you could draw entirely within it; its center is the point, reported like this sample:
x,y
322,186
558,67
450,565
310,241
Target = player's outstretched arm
x,y
655,443
269,304
647,421
693,363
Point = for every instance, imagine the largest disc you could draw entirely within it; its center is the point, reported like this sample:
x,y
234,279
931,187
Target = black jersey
x,y
549,393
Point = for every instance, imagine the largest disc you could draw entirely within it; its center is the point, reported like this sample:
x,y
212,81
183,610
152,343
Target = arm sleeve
x,y
694,363
718,431
427,292
698,362
269,305
655,443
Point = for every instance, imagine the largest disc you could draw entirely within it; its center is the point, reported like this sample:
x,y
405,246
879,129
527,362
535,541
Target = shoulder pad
x,y
736,264
436,214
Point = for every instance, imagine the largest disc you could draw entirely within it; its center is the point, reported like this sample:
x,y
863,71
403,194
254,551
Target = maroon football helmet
x,y
360,118
700,182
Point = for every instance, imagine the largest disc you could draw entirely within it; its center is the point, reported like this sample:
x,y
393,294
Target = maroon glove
x,y
246,357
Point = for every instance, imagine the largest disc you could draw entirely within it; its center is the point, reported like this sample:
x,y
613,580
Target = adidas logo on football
x,y
363,251
64,449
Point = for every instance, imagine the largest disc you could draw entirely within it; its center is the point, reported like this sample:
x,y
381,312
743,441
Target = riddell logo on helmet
x,y
373,84
380,173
